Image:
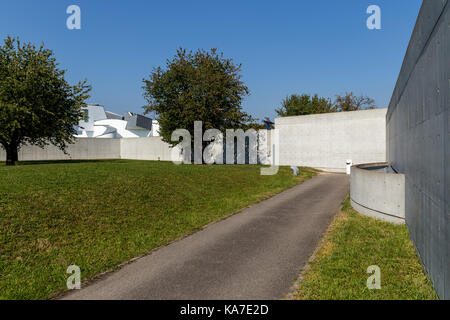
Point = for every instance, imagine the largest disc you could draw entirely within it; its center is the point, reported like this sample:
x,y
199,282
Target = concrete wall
x,y
323,141
326,141
418,139
143,148
264,143
148,148
84,148
377,193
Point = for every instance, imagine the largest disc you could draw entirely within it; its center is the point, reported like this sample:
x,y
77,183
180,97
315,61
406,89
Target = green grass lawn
x,y
355,242
99,214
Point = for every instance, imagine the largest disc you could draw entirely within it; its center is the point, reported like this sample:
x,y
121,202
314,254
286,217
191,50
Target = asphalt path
x,y
255,254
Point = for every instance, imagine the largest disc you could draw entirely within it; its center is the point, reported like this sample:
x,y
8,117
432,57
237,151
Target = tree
x,y
37,105
300,105
201,86
350,102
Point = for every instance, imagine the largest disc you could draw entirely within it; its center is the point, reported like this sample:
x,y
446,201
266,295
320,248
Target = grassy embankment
x,y
355,242
99,214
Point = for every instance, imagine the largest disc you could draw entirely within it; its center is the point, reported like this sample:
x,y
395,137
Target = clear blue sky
x,y
299,46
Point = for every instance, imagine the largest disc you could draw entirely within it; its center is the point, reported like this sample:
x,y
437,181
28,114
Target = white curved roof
x,y
100,125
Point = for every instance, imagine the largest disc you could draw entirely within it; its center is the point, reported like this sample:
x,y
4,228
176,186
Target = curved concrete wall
x,y
378,194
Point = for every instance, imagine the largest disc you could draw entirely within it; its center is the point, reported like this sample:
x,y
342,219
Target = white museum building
x,y
104,124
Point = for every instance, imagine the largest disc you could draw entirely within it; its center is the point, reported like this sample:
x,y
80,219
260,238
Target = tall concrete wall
x,y
418,139
327,141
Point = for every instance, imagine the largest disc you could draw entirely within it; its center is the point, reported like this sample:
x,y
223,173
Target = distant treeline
x,y
299,105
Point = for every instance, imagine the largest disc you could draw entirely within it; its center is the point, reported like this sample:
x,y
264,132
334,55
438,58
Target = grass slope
x,y
355,242
99,214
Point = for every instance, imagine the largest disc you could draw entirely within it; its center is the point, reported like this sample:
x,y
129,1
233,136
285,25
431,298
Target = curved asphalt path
x,y
256,254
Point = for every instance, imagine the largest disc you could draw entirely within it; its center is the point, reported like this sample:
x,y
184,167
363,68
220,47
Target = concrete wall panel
x,y
82,149
326,141
148,148
418,138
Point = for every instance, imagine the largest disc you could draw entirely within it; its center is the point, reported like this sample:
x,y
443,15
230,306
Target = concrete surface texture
x,y
255,254
83,149
141,148
378,194
149,148
145,148
327,141
418,139
324,141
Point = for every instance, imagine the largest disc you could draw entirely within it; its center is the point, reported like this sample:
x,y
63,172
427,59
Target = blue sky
x,y
315,46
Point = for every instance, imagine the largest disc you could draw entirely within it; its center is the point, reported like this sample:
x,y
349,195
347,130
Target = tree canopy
x,y
300,105
350,102
201,86
37,105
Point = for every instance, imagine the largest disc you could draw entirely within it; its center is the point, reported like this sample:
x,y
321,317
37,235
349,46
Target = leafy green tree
x,y
350,102
201,86
37,105
300,105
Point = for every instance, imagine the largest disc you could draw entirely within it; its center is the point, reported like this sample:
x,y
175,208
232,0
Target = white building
x,y
104,124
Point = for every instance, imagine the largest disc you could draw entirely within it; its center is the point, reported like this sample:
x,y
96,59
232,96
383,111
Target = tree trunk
x,y
12,154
